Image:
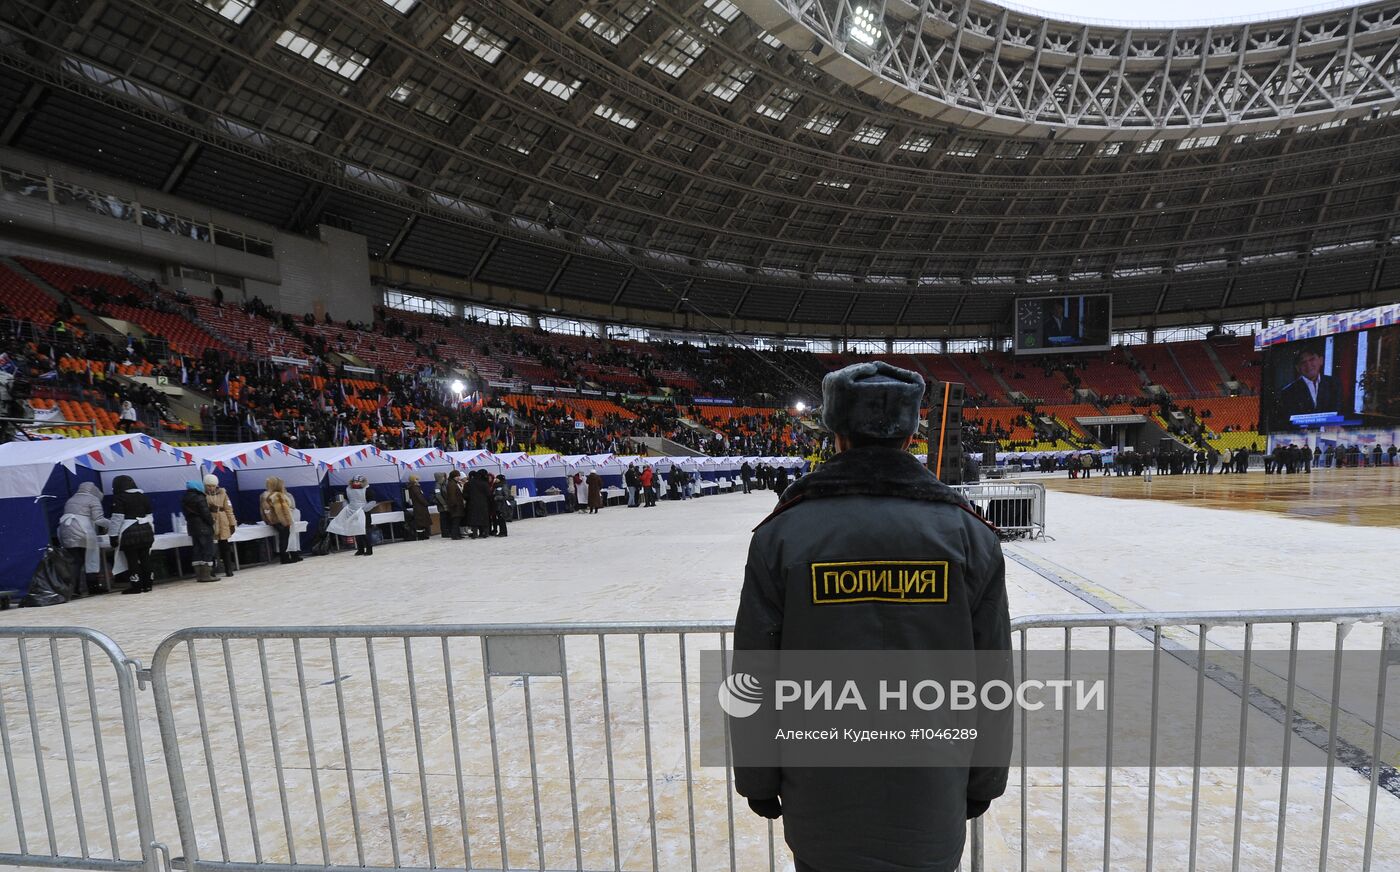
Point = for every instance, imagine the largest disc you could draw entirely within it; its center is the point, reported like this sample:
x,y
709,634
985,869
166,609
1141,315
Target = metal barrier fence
x,y
1246,823
1016,509
574,747
69,725
485,747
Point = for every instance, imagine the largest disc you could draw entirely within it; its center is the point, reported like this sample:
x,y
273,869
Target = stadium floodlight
x,y
458,387
866,25
800,407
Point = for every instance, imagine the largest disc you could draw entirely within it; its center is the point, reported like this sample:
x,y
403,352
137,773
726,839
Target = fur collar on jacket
x,y
873,472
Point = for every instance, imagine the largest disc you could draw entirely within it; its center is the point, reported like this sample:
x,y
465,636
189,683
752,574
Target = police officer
x,y
873,502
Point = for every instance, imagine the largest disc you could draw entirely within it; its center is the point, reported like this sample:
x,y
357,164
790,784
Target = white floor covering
x,y
683,562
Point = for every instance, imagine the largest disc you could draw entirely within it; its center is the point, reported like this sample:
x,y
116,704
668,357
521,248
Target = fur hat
x,y
874,399
211,480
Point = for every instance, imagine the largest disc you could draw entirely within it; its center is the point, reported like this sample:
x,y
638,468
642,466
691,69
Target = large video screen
x,y
1346,380
1075,323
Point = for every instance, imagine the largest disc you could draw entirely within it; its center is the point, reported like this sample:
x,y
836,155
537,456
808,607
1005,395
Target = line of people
x,y
480,503
764,476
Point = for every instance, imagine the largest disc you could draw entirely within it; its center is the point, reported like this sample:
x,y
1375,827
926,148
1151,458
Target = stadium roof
x,y
894,166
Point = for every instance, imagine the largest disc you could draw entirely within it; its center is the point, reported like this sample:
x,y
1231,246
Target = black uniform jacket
x,y
875,504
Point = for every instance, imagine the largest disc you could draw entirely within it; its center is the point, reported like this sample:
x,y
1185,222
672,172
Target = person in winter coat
x,y
225,522
478,504
580,488
199,524
595,492
353,520
632,479
455,500
276,506
649,487
419,519
128,417
780,480
133,533
746,476
440,500
874,511
78,528
503,506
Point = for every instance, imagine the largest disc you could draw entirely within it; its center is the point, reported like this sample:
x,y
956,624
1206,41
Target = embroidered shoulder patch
x,y
880,581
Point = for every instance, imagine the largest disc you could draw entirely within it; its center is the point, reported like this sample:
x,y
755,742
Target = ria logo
x,y
740,695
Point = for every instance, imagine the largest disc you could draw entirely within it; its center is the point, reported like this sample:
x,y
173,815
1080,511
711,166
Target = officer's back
x,y
871,551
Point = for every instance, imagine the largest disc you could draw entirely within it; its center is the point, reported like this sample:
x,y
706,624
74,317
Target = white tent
x,y
25,467
606,464
518,464
545,471
340,464
542,462
36,478
244,467
478,458
252,462
729,466
424,462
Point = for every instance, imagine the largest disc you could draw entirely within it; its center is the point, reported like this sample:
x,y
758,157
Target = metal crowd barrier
x,y
476,747
69,727
1016,509
553,747
1249,823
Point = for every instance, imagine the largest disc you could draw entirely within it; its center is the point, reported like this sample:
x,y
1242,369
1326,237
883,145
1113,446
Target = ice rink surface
x,y
684,562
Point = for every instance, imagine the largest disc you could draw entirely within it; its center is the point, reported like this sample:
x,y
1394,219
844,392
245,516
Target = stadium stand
x,y
1240,360
393,407
1036,377
1196,365
1160,366
1108,375
20,299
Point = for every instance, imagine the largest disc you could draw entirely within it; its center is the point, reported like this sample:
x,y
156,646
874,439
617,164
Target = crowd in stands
x,y
384,381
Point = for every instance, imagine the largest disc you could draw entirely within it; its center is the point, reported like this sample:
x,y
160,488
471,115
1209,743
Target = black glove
x,y
977,808
770,808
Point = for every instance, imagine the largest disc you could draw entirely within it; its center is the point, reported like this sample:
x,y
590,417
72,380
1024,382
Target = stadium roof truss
x,y
836,164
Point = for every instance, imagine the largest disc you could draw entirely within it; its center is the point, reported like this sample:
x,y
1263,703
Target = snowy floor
x,y
683,562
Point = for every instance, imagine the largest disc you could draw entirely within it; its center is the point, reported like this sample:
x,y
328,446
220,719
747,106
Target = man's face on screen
x,y
1310,366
